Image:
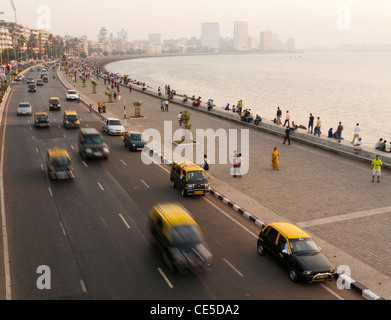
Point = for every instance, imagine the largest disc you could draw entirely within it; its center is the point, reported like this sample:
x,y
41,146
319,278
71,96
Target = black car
x,y
91,144
297,250
32,88
134,141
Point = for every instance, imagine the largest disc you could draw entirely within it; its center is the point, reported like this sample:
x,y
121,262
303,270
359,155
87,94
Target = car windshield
x,y
72,117
71,92
136,137
115,123
41,116
60,162
93,139
185,236
24,106
303,246
196,176
54,101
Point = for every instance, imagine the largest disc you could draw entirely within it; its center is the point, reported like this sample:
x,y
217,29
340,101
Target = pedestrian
x,y
130,88
237,164
166,105
318,126
376,168
119,96
356,134
115,96
358,146
275,159
339,132
287,118
162,105
180,118
206,163
311,123
99,107
287,133
279,115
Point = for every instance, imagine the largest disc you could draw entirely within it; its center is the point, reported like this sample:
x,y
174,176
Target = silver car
x,y
24,108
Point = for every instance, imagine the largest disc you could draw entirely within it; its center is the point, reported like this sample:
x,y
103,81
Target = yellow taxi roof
x,y
176,214
54,98
41,112
57,152
70,112
190,165
290,230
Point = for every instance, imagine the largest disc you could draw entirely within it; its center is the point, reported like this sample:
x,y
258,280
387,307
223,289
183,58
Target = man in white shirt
x,y
358,146
356,133
378,143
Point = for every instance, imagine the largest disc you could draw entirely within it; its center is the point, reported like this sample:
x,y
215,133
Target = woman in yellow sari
x,y
275,159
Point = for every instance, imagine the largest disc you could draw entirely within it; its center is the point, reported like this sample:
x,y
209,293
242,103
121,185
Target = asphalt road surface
x,y
91,232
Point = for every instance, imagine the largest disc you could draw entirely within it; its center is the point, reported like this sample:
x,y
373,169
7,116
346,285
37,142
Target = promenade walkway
x,y
329,194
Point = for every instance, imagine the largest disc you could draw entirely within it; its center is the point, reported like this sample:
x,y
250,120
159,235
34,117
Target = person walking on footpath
x,y
206,163
376,168
311,123
318,126
356,134
339,132
162,105
180,118
130,88
287,133
279,115
275,159
287,118
166,105
99,107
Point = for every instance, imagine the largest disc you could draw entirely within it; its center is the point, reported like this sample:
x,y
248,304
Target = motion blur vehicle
x,y
72,95
45,79
71,119
134,140
30,80
32,88
54,103
39,82
32,69
24,108
91,144
113,126
179,238
190,178
41,119
20,77
59,164
297,250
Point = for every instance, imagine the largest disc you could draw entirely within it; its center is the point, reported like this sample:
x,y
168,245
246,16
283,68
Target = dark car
x,y
297,250
134,140
91,144
41,119
32,88
59,165
45,79
54,103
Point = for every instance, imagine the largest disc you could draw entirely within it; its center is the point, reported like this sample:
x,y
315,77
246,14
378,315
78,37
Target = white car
x,y
113,126
24,108
72,95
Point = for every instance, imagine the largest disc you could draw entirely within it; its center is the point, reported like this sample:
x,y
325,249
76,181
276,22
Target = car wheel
x,y
173,184
260,249
293,275
183,192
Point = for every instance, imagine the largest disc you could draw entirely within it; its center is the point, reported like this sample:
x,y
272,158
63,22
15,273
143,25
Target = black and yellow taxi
x,y
297,250
190,178
71,119
54,103
179,238
41,119
59,165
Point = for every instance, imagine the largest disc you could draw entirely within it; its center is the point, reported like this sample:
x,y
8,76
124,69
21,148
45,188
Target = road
x,y
91,232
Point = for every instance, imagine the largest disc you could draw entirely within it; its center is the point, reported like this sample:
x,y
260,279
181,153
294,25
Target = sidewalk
x,y
329,195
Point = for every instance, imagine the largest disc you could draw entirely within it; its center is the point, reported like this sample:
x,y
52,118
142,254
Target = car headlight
x,y
106,150
66,121
189,186
307,273
88,150
77,121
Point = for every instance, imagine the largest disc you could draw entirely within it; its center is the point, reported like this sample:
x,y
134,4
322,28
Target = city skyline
x,y
312,24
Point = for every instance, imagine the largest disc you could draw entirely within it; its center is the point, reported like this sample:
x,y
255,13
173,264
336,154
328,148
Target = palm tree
x,y
185,125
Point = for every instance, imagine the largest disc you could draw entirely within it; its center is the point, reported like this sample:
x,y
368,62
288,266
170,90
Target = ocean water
x,y
351,87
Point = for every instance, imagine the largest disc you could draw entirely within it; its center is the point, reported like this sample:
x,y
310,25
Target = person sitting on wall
x,y
257,120
330,134
378,143
185,98
210,104
382,145
227,107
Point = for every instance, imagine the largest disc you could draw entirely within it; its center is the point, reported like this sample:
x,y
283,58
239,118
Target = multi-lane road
x,y
91,232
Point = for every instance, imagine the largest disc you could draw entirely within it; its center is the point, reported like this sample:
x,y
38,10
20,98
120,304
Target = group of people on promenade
x,y
383,145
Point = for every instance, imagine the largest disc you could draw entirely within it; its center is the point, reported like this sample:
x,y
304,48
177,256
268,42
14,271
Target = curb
x,y
347,281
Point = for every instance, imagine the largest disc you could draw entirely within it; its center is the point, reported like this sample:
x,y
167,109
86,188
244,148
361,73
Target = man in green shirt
x,y
376,168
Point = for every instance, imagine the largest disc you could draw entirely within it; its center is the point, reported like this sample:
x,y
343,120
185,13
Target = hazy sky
x,y
311,22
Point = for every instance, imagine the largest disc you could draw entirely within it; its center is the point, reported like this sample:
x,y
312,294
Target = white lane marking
x,y
83,286
85,164
50,192
124,163
72,147
63,230
236,270
165,278
36,150
42,167
145,184
124,221
332,292
100,186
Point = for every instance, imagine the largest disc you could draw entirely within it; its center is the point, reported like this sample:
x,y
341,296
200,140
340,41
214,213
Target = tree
x,y
185,124
109,92
137,108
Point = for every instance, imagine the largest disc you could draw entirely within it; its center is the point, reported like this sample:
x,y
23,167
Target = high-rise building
x,y
210,35
123,35
155,38
102,36
266,41
240,35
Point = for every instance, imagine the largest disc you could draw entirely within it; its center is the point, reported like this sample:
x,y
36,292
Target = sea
x,y
347,87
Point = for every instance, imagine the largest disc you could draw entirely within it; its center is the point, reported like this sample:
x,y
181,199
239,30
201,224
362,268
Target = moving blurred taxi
x,y
54,103
134,140
180,239
59,164
297,250
71,119
190,178
41,119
